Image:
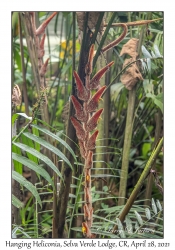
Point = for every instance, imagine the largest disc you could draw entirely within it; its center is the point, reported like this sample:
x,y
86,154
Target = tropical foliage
x,y
68,176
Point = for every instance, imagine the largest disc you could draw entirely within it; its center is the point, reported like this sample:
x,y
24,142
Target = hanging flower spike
x,y
90,145
92,123
86,212
82,149
42,27
44,68
41,47
93,103
82,93
79,129
85,230
88,68
89,222
89,160
87,195
87,177
80,113
95,81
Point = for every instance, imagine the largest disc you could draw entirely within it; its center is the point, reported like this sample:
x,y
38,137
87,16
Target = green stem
x,y
103,39
127,145
140,182
127,138
22,131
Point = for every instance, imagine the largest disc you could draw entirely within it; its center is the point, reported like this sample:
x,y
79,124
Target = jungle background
x,y
47,176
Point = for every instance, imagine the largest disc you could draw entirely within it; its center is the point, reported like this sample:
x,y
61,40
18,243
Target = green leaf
x,y
146,52
17,165
36,132
56,137
115,90
14,19
32,165
14,117
29,142
39,156
16,202
154,208
148,213
49,146
156,50
25,116
129,226
158,100
120,228
159,205
159,104
19,178
136,226
139,218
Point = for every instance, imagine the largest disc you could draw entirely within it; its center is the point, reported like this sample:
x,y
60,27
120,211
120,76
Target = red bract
x,y
41,47
80,113
82,149
95,81
88,68
89,160
92,123
90,145
82,93
79,129
86,212
93,103
44,68
42,27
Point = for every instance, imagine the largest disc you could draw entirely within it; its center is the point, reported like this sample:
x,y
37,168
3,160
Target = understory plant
x,y
87,117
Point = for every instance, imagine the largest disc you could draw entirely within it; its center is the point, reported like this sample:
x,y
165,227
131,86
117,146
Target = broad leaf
x,y
19,178
25,116
49,146
32,165
44,130
16,202
39,156
29,142
146,52
17,165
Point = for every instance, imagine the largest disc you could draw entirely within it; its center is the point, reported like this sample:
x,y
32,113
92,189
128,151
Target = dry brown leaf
x,y
16,96
131,75
130,48
92,20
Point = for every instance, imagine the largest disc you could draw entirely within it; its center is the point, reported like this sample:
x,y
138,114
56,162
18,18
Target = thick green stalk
x,y
127,138
158,118
140,182
127,145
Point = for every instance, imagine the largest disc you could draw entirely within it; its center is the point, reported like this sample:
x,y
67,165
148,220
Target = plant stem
x,y
126,147
158,118
103,39
127,138
140,182
23,69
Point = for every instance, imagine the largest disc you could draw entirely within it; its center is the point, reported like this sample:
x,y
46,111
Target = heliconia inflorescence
x,y
39,44
85,122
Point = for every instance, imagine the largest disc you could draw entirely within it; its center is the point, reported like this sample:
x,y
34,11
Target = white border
x,y
5,100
